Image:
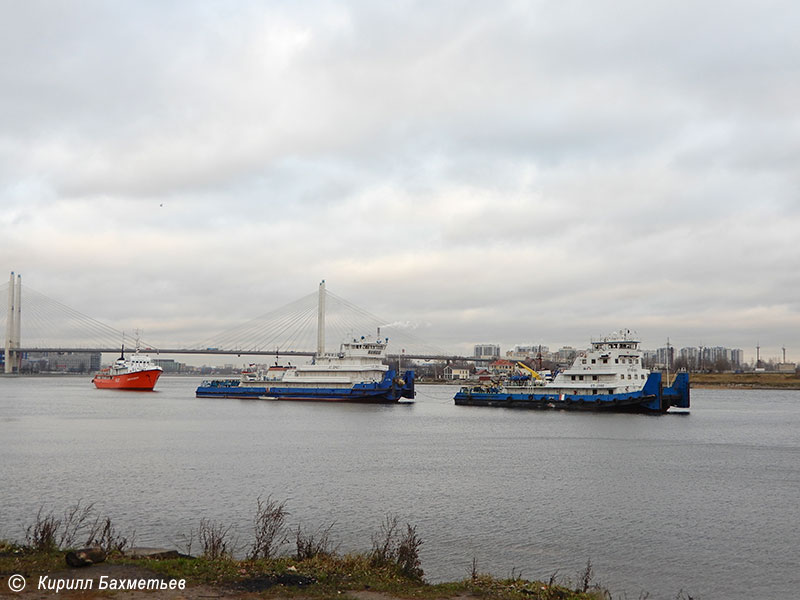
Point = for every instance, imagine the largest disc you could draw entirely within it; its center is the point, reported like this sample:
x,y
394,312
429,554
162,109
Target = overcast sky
x,y
505,172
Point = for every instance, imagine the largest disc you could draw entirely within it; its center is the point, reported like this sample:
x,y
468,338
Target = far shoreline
x,y
747,380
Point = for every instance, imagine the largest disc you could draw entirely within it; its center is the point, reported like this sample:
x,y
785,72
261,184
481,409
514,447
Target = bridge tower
x,y
13,323
321,320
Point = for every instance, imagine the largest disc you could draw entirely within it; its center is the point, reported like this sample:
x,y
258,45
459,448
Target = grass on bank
x,y
788,381
315,569
318,577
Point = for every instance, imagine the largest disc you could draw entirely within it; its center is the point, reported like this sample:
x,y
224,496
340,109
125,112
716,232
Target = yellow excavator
x,y
533,373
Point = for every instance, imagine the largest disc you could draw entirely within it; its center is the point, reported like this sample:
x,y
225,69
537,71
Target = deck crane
x,y
533,373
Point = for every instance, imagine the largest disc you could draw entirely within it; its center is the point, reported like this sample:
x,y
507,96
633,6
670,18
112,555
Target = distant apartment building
x,y
708,357
487,351
528,351
61,362
737,357
664,357
565,354
169,365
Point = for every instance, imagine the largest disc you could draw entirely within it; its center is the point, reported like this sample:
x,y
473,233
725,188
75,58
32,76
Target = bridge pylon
x,y
13,324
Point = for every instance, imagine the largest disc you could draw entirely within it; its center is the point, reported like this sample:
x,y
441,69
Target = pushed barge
x,y
609,377
355,374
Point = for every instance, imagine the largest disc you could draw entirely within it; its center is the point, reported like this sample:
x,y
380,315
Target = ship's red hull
x,y
140,380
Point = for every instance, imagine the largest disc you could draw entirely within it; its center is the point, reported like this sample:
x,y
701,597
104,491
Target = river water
x,y
705,502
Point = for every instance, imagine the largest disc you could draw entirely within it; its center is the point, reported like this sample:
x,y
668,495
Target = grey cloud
x,y
521,172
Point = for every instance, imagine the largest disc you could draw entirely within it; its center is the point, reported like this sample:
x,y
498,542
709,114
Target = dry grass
x,y
778,381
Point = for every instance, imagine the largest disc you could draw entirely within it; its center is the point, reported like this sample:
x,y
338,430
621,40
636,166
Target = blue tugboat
x,y
609,377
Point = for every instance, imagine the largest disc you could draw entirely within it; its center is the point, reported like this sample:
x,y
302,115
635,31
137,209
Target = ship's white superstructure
x,y
613,365
133,364
358,361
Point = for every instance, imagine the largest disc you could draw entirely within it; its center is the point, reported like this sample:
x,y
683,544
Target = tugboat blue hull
x,y
652,398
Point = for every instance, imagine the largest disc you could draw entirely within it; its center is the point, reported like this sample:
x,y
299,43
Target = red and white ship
x,y
138,372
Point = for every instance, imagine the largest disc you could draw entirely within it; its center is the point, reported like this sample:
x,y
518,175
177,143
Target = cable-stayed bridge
x,y
318,322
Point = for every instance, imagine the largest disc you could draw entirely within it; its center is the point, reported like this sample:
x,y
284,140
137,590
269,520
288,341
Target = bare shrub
x,y
408,553
552,581
41,535
51,533
187,542
312,545
215,540
76,525
103,533
393,547
585,578
75,521
268,527
383,542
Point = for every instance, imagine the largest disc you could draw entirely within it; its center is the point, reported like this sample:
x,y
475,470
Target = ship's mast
x,y
321,320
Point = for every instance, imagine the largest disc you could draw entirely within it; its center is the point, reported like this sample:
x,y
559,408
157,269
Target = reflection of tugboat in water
x,y
138,372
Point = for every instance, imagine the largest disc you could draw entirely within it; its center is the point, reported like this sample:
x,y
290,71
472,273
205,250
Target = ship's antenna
x,y
667,360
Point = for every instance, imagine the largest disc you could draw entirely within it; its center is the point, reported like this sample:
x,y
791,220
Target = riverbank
x,y
761,381
327,575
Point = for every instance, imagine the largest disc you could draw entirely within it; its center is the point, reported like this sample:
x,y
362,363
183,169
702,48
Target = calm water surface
x,y
706,502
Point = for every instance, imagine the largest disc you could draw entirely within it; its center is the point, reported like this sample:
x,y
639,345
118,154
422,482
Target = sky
x,y
483,172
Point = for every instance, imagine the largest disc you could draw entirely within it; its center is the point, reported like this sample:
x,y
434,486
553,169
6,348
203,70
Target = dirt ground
x,y
192,592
